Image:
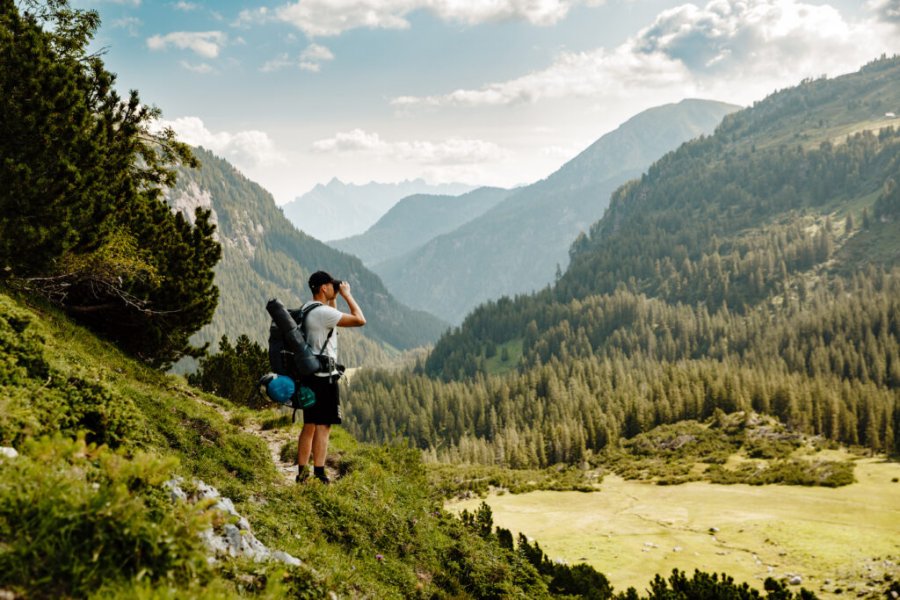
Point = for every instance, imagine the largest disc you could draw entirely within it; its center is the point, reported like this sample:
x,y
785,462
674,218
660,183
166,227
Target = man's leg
x,y
304,448
320,444
320,451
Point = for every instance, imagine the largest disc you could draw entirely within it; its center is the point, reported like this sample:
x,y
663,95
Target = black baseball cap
x,y
318,279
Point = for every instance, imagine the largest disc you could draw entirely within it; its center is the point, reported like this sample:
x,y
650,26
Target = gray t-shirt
x,y
319,321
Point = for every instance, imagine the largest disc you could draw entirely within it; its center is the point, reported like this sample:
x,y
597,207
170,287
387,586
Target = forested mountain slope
x,y
518,245
263,255
417,219
754,269
734,221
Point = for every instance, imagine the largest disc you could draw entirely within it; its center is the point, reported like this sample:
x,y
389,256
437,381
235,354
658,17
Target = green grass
x,y
880,246
736,448
455,481
630,530
495,365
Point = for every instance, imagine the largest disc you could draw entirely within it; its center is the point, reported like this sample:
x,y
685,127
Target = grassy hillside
x,y
85,510
263,255
95,445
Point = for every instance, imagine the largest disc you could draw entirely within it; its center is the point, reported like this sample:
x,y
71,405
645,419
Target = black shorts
x,y
327,409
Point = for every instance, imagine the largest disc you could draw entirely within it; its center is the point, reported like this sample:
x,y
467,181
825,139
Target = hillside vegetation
x,y
752,270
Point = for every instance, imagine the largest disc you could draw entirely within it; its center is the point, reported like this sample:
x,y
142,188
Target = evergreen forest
x,y
756,269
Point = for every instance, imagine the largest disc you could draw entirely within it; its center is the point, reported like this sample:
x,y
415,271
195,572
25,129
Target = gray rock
x,y
795,580
176,494
8,452
286,558
235,538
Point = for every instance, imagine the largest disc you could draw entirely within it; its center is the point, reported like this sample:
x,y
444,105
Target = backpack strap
x,y
303,315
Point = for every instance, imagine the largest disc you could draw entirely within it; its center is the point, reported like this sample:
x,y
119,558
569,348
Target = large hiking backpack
x,y
289,352
290,357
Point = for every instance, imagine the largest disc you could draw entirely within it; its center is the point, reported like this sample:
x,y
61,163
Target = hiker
x,y
319,325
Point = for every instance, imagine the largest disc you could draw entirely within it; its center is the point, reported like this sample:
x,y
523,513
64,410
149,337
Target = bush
x,y
234,371
705,586
786,472
75,516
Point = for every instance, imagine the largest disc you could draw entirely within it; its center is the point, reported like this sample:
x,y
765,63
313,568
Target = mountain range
x,y
522,242
338,210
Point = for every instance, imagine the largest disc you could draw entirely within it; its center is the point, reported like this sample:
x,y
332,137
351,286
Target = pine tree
x,y
82,220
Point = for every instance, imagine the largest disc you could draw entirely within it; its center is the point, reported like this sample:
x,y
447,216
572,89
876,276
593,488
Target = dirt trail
x,y
274,439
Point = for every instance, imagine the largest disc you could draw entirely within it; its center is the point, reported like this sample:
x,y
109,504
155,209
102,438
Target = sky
x,y
483,92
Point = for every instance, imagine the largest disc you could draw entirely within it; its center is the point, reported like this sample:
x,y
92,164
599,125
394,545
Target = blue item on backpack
x,y
278,388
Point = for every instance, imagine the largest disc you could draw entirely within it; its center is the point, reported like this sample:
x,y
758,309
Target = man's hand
x,y
355,318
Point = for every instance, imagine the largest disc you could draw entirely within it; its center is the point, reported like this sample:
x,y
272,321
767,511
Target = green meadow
x,y
838,540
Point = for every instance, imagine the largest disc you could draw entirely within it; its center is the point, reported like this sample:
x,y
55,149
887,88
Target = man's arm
x,y
356,317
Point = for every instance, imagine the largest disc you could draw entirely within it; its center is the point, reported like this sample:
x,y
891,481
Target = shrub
x,y
705,586
233,371
75,516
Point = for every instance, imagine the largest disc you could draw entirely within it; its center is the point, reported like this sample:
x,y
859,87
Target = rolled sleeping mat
x,y
304,358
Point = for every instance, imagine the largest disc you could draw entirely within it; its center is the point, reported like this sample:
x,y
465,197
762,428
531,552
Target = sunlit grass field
x,y
837,540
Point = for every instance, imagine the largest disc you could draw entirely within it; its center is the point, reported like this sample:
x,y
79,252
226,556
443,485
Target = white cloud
x,y
310,59
256,16
202,68
276,64
453,151
583,74
313,56
886,10
315,52
205,43
246,149
130,24
332,17
186,6
736,50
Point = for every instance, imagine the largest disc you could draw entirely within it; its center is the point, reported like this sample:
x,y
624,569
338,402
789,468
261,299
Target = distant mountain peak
x,y
338,210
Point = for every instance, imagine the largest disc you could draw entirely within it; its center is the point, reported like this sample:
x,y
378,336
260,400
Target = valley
x,y
837,540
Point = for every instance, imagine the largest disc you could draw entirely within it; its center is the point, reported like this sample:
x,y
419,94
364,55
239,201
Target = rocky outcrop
x,y
234,538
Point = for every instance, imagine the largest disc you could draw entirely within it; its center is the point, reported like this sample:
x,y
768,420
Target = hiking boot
x,y
302,475
324,479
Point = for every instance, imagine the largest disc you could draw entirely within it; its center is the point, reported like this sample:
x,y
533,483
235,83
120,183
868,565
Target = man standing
x,y
319,325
